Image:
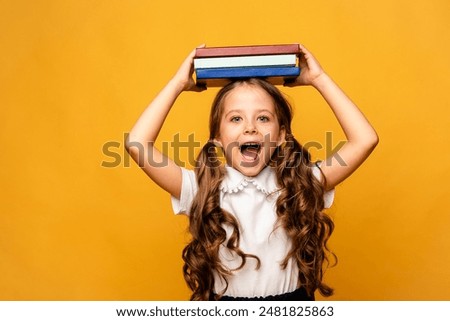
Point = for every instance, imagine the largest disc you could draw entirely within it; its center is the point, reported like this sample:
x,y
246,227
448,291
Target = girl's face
x,y
249,129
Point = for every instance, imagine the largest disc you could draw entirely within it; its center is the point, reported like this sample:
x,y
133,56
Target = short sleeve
x,y
189,189
328,196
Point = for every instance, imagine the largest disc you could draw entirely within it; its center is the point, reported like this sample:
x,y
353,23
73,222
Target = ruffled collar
x,y
235,181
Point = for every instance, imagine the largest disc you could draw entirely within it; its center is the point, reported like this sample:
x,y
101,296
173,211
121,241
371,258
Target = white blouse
x,y
252,200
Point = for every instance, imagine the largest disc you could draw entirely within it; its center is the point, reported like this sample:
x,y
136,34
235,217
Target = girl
x,y
257,222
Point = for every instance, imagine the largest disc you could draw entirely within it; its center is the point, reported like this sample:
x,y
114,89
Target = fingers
x,y
306,55
290,82
305,52
194,87
190,58
198,88
193,52
303,48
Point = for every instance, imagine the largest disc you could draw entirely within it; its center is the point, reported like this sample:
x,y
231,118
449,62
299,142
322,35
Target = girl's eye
x,y
236,119
263,118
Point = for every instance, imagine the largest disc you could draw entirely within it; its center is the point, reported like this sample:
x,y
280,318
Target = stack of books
x,y
216,66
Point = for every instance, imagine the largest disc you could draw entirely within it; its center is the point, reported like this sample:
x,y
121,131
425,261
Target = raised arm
x,y
361,136
140,141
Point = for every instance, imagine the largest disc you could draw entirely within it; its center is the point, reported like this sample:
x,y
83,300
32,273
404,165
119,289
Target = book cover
x,y
244,72
247,50
214,77
246,61
221,82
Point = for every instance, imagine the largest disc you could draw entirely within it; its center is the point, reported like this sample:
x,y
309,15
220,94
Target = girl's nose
x,y
250,129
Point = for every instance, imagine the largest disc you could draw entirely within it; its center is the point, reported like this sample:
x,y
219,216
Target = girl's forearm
x,y
356,127
140,141
149,124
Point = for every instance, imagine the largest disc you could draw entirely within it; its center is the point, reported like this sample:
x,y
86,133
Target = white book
x,y
246,61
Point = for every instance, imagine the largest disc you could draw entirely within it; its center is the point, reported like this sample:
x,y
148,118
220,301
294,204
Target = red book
x,y
247,50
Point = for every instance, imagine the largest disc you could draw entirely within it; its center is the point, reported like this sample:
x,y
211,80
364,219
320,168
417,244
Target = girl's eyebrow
x,y
265,110
234,111
240,111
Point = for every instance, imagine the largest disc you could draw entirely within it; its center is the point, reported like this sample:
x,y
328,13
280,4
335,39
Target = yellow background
x,y
77,74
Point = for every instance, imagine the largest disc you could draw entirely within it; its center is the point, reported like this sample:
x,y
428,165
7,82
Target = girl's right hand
x,y
184,76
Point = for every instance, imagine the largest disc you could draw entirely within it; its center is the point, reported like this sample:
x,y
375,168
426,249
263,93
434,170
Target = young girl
x,y
257,223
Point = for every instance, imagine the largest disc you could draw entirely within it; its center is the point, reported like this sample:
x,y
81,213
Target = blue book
x,y
220,76
246,61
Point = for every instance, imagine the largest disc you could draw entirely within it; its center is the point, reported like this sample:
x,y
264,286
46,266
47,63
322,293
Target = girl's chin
x,y
250,172
250,168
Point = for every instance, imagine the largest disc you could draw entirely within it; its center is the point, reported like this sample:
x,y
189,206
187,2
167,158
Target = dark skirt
x,y
298,295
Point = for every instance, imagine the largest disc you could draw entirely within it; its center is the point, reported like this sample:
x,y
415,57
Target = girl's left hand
x,y
310,69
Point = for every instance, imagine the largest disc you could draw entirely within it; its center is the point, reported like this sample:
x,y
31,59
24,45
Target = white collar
x,y
235,181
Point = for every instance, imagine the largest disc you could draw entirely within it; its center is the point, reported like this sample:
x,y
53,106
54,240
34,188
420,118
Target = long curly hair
x,y
299,208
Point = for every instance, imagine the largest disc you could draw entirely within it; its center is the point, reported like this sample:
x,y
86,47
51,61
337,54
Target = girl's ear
x,y
282,137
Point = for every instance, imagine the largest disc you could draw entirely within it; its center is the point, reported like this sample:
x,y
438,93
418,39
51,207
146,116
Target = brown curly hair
x,y
300,207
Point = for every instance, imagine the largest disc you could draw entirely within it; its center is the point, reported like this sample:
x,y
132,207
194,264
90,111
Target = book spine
x,y
213,73
221,82
245,61
247,50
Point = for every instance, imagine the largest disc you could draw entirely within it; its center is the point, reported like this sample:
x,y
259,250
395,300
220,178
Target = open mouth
x,y
250,151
